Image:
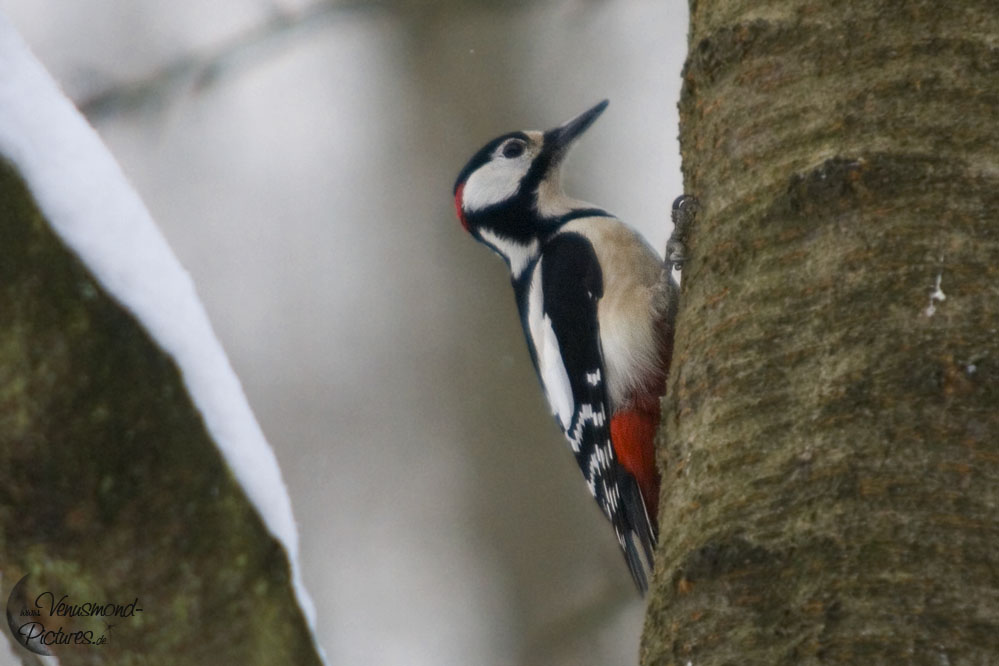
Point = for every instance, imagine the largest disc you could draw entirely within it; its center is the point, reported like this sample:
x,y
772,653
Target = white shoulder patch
x,y
519,255
550,366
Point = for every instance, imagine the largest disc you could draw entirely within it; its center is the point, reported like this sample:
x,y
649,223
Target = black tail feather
x,y
636,526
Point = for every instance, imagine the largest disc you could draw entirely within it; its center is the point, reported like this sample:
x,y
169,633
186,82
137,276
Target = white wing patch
x,y
550,366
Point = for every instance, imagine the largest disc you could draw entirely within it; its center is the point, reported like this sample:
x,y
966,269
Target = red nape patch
x,y
633,433
457,206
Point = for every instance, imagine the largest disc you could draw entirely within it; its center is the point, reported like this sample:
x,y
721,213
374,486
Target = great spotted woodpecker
x,y
597,305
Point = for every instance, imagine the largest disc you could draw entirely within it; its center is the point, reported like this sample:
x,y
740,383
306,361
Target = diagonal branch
x,y
199,70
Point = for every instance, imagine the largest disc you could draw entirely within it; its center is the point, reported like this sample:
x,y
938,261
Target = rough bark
x,y
110,487
831,425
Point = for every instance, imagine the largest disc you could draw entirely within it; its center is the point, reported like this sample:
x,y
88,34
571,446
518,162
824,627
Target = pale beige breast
x,y
631,309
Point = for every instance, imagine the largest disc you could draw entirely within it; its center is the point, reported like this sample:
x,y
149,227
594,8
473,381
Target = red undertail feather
x,y
633,433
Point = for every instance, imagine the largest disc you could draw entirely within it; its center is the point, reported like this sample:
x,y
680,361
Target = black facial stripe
x,y
503,220
542,164
582,212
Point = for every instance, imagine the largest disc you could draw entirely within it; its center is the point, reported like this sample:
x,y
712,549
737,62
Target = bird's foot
x,y
684,211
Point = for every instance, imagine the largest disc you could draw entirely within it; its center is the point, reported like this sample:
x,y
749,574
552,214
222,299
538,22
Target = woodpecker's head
x,y
510,192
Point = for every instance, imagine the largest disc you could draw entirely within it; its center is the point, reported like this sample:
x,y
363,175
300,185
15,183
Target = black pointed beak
x,y
559,139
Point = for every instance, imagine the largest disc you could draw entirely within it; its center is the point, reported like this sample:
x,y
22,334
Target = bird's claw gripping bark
x,y
684,210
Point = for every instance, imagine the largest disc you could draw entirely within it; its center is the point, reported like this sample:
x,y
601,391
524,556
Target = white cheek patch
x,y
550,366
494,182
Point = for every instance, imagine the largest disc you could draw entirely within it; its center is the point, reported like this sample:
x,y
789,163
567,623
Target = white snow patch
x,y
936,295
94,210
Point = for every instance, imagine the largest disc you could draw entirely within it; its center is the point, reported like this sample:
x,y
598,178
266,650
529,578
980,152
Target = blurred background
x,y
299,156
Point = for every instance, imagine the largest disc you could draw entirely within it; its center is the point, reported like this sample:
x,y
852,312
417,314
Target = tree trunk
x,y
111,489
831,425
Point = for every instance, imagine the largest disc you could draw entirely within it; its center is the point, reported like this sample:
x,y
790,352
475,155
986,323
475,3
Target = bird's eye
x,y
513,149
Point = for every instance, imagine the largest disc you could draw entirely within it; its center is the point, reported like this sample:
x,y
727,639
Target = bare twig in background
x,y
196,71
200,69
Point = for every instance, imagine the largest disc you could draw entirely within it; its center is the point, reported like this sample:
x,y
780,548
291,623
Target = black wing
x,y
574,378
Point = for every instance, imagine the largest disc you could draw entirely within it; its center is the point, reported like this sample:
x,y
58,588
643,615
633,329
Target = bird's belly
x,y
630,311
630,341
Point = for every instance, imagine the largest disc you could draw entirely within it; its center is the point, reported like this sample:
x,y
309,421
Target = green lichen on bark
x,y
832,417
110,486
